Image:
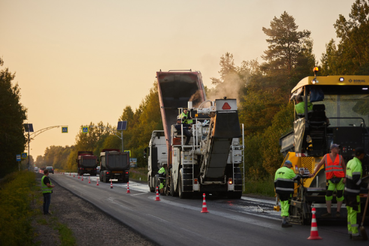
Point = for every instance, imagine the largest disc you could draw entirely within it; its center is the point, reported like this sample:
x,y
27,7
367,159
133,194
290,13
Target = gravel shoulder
x,y
89,225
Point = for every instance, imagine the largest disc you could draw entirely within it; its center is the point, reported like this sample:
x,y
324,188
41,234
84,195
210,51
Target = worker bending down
x,y
284,187
162,174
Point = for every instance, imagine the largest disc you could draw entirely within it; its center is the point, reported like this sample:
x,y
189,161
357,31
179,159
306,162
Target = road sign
x,y
64,129
133,162
18,157
85,129
24,155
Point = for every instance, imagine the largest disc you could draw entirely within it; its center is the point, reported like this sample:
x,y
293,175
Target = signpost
x,y
18,158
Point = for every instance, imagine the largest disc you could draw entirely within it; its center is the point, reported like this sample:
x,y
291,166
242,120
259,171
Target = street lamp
x,y
28,128
122,125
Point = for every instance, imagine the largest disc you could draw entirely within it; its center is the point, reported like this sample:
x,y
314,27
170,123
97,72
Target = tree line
x,y
262,89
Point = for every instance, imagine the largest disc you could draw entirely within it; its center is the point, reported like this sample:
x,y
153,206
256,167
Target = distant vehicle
x,y
36,169
98,169
51,169
86,162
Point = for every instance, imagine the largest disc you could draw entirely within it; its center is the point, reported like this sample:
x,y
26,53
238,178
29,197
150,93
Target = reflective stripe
x,y
284,189
358,182
352,190
286,180
333,168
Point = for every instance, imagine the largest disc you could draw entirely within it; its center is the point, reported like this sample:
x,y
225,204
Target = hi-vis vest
x,y
354,172
333,169
44,187
284,181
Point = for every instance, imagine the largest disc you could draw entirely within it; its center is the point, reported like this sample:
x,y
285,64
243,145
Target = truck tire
x,y
172,190
181,194
234,195
152,188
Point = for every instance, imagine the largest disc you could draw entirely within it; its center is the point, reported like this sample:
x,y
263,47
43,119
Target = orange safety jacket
x,y
333,169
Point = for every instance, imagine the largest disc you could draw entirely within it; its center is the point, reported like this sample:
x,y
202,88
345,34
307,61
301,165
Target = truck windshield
x,y
346,110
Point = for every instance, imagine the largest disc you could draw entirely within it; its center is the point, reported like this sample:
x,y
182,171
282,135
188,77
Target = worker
x,y
284,187
300,107
47,189
162,176
186,131
185,117
335,173
354,174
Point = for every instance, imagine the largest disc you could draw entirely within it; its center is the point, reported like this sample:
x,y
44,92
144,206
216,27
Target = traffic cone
x,y
204,208
97,182
314,235
70,174
78,176
128,188
89,180
157,194
111,184
73,175
82,177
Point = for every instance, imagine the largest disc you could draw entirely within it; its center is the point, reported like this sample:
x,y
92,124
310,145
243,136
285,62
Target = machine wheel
x,y
104,177
181,194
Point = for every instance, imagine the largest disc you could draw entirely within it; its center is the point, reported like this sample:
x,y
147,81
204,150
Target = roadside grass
x,y
260,187
20,201
138,173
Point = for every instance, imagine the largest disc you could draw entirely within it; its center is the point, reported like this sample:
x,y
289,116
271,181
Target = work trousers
x,y
339,187
285,206
47,200
352,225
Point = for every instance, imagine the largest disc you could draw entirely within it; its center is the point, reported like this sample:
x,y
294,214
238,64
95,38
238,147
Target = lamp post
x,y
28,128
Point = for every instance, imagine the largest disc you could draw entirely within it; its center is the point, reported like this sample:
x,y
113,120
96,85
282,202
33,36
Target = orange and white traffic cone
x,y
70,174
78,176
73,175
314,235
128,191
204,208
111,184
97,182
89,180
82,177
157,194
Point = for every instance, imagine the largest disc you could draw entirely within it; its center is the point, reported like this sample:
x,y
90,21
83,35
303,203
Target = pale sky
x,y
82,61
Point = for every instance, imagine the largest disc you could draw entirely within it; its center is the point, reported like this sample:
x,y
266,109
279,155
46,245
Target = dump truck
x,y
340,114
157,157
211,161
114,166
86,162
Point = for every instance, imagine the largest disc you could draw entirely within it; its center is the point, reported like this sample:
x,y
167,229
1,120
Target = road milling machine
x,y
337,112
211,161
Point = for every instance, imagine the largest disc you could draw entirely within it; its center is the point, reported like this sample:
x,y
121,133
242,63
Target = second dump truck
x,y
114,166
86,162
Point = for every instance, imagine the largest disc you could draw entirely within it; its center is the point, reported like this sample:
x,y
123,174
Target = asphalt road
x,y
175,221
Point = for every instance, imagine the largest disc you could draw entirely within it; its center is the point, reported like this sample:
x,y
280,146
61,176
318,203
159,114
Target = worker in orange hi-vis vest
x,y
335,174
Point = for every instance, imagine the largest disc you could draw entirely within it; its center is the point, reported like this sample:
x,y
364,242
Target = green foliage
x,y
139,173
17,191
66,235
260,187
12,115
351,55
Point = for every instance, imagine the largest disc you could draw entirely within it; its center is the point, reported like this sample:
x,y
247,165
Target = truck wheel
x,y
234,195
172,190
104,178
181,194
152,188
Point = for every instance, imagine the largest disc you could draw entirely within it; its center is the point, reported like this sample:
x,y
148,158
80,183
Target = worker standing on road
x,y
162,174
284,187
354,174
335,173
47,189
185,117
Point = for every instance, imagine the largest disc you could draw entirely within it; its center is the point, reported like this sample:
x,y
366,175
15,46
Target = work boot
x,y
285,223
357,238
338,214
326,215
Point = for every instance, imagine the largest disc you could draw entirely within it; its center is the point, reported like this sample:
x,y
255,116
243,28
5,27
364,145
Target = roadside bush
x,y
17,190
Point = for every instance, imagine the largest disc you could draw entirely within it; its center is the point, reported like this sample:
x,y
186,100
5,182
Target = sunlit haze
x,y
82,61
